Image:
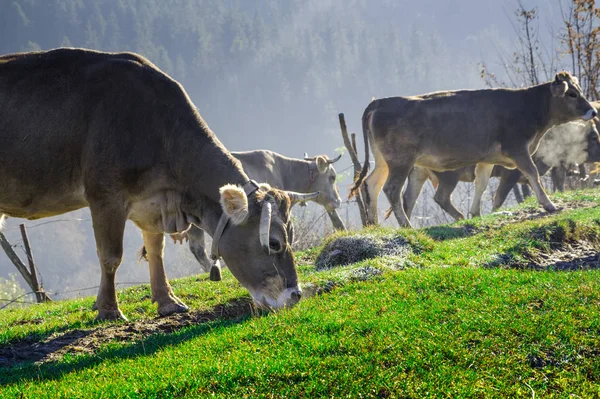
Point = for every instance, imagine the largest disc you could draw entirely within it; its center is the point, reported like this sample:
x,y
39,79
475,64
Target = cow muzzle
x,y
286,299
334,204
590,114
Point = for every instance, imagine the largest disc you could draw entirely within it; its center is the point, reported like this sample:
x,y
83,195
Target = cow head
x,y
256,245
322,179
568,102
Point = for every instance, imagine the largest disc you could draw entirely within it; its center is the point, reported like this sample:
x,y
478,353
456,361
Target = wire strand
x,y
55,293
49,222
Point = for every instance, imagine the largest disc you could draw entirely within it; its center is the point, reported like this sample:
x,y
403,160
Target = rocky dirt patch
x,y
88,341
521,215
567,256
581,255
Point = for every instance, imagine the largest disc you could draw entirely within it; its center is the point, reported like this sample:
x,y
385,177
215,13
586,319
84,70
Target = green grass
x,y
452,321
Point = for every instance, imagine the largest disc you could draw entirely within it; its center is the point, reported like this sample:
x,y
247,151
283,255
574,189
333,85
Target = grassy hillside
x,y
502,306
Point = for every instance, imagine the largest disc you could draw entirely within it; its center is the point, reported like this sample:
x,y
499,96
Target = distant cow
x,y
111,132
564,145
449,130
300,175
570,143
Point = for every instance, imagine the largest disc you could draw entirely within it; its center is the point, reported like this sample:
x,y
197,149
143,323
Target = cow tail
x,y
143,254
366,120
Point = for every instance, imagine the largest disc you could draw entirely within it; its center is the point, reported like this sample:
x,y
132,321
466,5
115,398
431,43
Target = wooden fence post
x,y
337,222
351,146
39,291
14,258
41,296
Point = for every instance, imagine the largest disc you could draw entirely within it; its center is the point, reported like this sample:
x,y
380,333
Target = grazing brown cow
x,y
111,132
300,175
566,144
452,129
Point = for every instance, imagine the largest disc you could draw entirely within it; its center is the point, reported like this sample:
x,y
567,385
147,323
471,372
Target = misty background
x,y
264,74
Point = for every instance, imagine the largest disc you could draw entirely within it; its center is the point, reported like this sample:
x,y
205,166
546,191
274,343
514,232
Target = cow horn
x,y
334,160
265,226
301,197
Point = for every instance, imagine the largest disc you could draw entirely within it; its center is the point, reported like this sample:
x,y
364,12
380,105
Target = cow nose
x,y
594,113
296,295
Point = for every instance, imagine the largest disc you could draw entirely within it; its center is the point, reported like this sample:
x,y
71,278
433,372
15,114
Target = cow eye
x,y
332,179
573,94
275,245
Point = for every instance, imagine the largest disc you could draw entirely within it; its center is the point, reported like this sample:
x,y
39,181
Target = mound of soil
x,y
347,250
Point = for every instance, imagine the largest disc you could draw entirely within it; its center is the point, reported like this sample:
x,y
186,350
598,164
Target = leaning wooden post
x,y
39,291
357,166
14,258
362,191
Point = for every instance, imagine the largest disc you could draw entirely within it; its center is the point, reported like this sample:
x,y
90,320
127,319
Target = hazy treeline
x,y
290,64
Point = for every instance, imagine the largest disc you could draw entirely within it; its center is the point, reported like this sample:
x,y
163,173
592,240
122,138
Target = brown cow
x,y
299,175
111,132
452,129
566,144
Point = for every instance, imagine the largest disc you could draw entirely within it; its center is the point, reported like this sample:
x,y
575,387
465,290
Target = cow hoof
x,y
172,308
551,208
215,273
474,215
115,314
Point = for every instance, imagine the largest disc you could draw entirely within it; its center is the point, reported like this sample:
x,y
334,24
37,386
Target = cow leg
x,y
197,246
109,226
517,193
482,178
527,167
443,195
558,174
374,183
526,191
162,293
393,190
508,179
416,179
583,175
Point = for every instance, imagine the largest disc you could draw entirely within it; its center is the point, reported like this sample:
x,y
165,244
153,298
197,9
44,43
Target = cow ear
x,y
322,164
559,88
234,203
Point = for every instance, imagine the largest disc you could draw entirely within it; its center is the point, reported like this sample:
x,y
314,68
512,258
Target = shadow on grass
x,y
17,362
443,233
